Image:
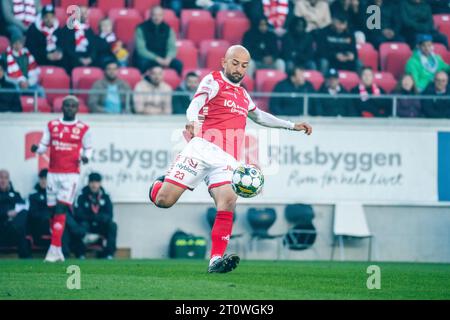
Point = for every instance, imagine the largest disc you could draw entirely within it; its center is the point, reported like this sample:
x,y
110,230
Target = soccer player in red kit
x,y
69,141
217,118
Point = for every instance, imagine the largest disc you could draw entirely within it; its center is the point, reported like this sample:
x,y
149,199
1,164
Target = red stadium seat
x,y
4,43
131,75
266,79
54,78
46,2
385,80
61,15
200,29
348,79
57,105
171,78
224,15
84,77
315,77
170,18
66,3
447,57
211,52
125,23
95,15
28,104
187,53
233,30
440,49
106,5
145,5
368,55
193,14
442,23
393,57
248,84
201,72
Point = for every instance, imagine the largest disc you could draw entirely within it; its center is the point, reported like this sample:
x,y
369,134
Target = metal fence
x,y
304,102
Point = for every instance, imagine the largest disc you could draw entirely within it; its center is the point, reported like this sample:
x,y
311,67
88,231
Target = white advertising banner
x,y
346,162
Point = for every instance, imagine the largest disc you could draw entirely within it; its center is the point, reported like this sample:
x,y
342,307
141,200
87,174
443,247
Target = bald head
x,y
235,63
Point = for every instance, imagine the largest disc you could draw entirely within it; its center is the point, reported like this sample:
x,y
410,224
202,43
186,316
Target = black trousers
x,y
75,232
13,233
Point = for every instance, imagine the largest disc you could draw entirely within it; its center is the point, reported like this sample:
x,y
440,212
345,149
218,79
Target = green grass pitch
x,y
187,279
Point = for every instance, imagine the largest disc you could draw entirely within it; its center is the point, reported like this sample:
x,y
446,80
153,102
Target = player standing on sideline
x,y
216,123
69,141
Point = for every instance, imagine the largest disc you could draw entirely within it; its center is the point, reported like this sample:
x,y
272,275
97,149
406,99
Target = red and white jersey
x,y
67,141
225,112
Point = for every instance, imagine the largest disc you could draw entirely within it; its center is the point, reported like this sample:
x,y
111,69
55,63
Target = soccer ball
x,y
247,181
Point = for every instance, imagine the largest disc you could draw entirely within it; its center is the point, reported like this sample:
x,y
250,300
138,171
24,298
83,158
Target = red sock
x,y
155,190
58,224
221,232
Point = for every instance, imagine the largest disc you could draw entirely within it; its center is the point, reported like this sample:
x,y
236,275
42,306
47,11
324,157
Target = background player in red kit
x,y
69,141
217,118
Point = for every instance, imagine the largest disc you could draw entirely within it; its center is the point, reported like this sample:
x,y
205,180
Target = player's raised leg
x,y
225,200
165,194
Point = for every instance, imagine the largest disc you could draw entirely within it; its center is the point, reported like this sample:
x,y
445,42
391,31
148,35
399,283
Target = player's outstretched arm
x,y
267,120
43,144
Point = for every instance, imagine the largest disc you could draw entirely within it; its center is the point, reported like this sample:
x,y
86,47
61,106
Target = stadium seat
x,y
442,23
84,77
66,3
125,23
54,78
393,57
187,53
440,49
447,57
201,72
385,80
60,14
248,84
57,105
348,79
131,75
46,2
199,29
211,52
106,5
315,77
171,78
4,43
95,15
145,5
224,15
193,14
233,30
368,55
170,18
266,79
28,104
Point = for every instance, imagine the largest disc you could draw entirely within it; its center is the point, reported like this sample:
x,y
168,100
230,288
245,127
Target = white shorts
x,y
201,160
61,187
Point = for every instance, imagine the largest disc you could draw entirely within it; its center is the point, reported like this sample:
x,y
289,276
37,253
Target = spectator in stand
x,y
39,214
108,95
42,37
298,45
263,44
315,12
13,217
9,101
152,95
353,10
277,13
390,24
94,214
439,6
335,105
337,47
416,18
19,15
188,87
437,107
156,43
294,83
217,5
117,47
408,107
424,63
178,5
22,68
366,106
81,46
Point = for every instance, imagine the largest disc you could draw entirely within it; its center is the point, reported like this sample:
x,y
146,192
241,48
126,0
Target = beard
x,y
235,78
